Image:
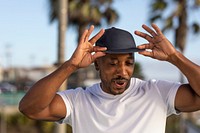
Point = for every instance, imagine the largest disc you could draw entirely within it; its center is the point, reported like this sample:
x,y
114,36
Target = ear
x,y
96,65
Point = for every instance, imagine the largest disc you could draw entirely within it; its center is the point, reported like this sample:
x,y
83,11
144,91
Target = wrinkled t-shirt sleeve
x,y
68,97
168,92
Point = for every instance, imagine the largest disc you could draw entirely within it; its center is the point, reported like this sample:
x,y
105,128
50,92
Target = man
x,y
119,104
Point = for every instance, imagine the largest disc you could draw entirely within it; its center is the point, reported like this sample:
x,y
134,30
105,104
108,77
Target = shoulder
x,y
71,91
80,91
166,89
160,86
157,83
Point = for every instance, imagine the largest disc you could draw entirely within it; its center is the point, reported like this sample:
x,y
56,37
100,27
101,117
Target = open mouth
x,y
120,83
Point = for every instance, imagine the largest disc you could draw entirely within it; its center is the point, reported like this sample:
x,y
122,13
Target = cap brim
x,y
124,51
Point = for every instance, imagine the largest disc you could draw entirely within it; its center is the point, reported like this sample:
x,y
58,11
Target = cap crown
x,y
117,41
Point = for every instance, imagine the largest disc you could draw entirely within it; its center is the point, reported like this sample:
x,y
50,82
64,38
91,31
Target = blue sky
x,y
28,39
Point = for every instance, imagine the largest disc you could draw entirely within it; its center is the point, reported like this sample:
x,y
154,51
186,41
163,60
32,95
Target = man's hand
x,y
86,52
158,47
162,49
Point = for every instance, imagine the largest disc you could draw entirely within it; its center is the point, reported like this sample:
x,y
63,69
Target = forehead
x,y
119,56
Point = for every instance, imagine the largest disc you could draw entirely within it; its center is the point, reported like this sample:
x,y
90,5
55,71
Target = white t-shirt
x,y
142,108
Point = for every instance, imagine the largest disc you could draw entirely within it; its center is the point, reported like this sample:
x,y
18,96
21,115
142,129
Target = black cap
x,y
117,41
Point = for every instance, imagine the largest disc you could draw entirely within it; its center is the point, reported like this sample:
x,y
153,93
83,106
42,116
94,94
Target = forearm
x,y
189,69
42,93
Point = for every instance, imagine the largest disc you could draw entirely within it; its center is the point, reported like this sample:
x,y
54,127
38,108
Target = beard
x,y
116,85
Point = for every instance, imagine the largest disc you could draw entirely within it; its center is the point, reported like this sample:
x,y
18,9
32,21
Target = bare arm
x,y
188,95
41,101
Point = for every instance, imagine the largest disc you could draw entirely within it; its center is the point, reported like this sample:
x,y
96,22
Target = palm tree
x,y
82,13
177,20
175,16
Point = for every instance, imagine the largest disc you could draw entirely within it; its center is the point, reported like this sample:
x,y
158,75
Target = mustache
x,y
120,78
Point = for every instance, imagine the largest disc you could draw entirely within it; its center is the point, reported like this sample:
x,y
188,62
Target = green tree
x,y
174,15
177,16
82,13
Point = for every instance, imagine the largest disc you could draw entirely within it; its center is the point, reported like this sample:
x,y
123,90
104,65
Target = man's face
x,y
115,72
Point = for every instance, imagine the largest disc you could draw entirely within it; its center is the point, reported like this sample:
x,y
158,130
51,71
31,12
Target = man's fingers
x,y
146,46
157,29
146,53
143,35
149,30
97,55
98,52
86,34
148,49
97,36
89,33
82,39
99,49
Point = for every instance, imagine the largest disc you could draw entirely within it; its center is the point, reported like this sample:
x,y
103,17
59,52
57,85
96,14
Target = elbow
x,y
21,108
30,112
27,114
25,111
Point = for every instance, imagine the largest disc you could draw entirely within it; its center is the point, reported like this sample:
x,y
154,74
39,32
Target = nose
x,y
121,70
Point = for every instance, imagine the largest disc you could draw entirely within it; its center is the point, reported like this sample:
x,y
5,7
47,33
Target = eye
x,y
129,63
113,64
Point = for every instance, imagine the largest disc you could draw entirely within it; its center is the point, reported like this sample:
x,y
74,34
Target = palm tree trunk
x,y
180,42
62,30
181,31
62,26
